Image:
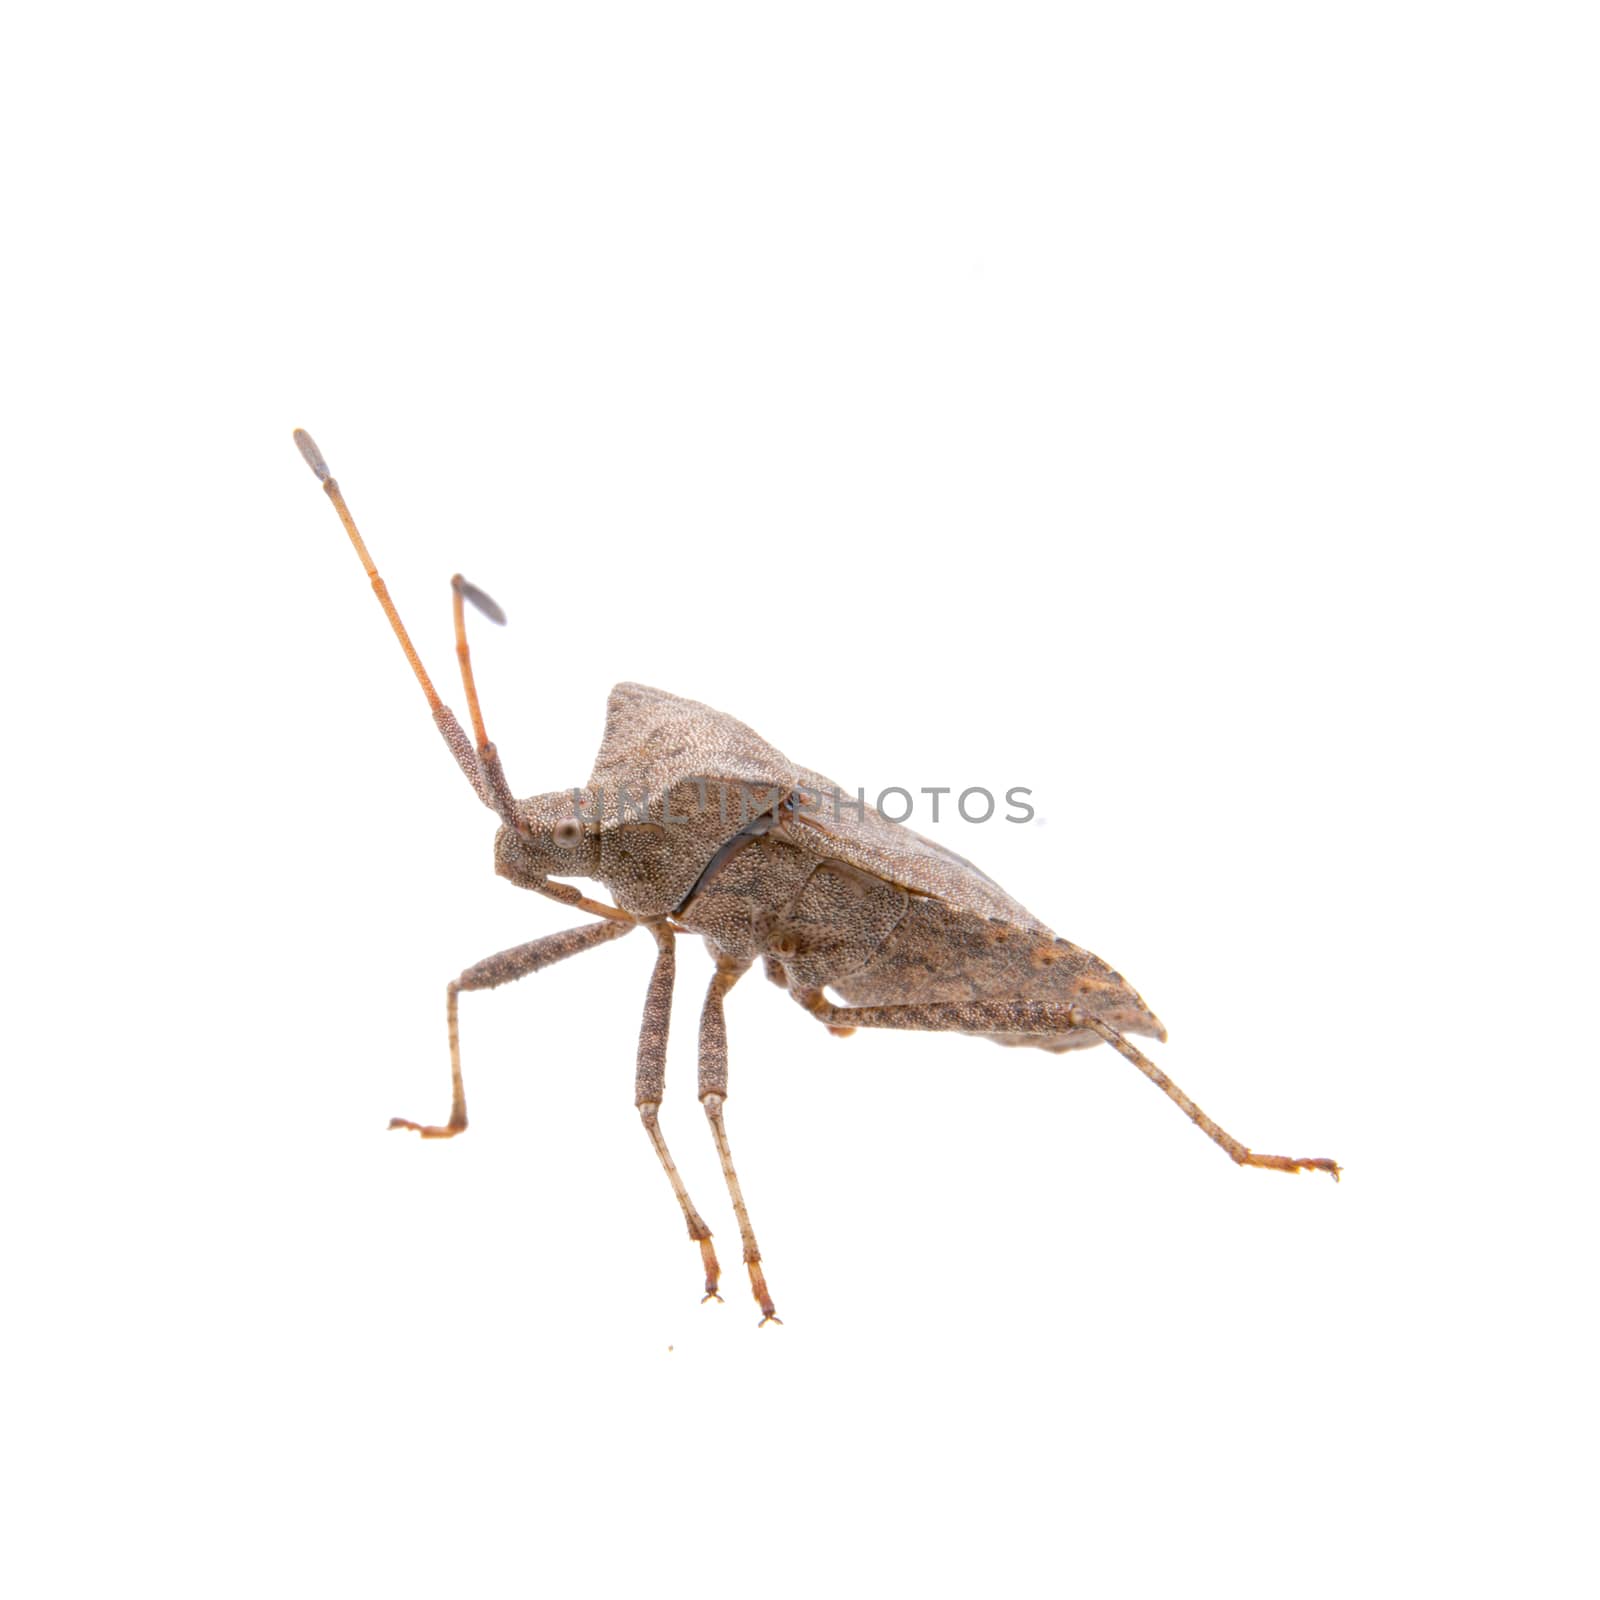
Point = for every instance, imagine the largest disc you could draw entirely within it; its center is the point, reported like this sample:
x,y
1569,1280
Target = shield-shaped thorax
x,y
673,783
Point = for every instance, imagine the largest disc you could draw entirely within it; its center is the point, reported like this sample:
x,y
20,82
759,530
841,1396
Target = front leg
x,y
490,973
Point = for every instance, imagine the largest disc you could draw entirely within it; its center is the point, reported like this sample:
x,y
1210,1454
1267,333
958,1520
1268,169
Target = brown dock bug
x,y
694,824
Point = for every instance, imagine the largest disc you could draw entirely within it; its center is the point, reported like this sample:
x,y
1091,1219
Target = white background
x,y
1187,412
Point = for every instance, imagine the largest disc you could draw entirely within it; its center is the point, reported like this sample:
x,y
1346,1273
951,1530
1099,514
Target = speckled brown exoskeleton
x,y
694,824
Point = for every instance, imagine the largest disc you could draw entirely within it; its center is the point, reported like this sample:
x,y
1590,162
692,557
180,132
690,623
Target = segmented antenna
x,y
482,767
488,756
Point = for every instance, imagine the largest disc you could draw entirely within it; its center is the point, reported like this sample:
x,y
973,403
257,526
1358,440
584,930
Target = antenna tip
x,y
308,448
470,591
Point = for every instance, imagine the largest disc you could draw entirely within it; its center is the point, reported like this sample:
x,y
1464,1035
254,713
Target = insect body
x,y
694,824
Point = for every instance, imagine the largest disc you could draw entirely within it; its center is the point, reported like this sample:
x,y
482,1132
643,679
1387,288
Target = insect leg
x,y
490,973
569,895
713,1092
1048,1017
650,1084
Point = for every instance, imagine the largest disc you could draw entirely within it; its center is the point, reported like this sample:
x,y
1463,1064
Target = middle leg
x,y
713,1092
649,1085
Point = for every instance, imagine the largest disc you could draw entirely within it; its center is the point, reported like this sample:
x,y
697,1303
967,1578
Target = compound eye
x,y
569,833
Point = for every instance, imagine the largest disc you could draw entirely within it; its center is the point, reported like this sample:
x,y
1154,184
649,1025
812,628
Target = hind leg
x,y
1047,1017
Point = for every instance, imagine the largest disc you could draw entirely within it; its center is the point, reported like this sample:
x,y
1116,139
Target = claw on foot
x,y
708,1259
758,1287
1294,1164
427,1130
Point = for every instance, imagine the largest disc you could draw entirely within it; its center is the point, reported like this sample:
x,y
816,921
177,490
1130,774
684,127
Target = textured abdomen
x,y
939,953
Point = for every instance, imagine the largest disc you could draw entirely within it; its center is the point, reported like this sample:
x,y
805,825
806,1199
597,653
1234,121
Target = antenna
x,y
482,767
